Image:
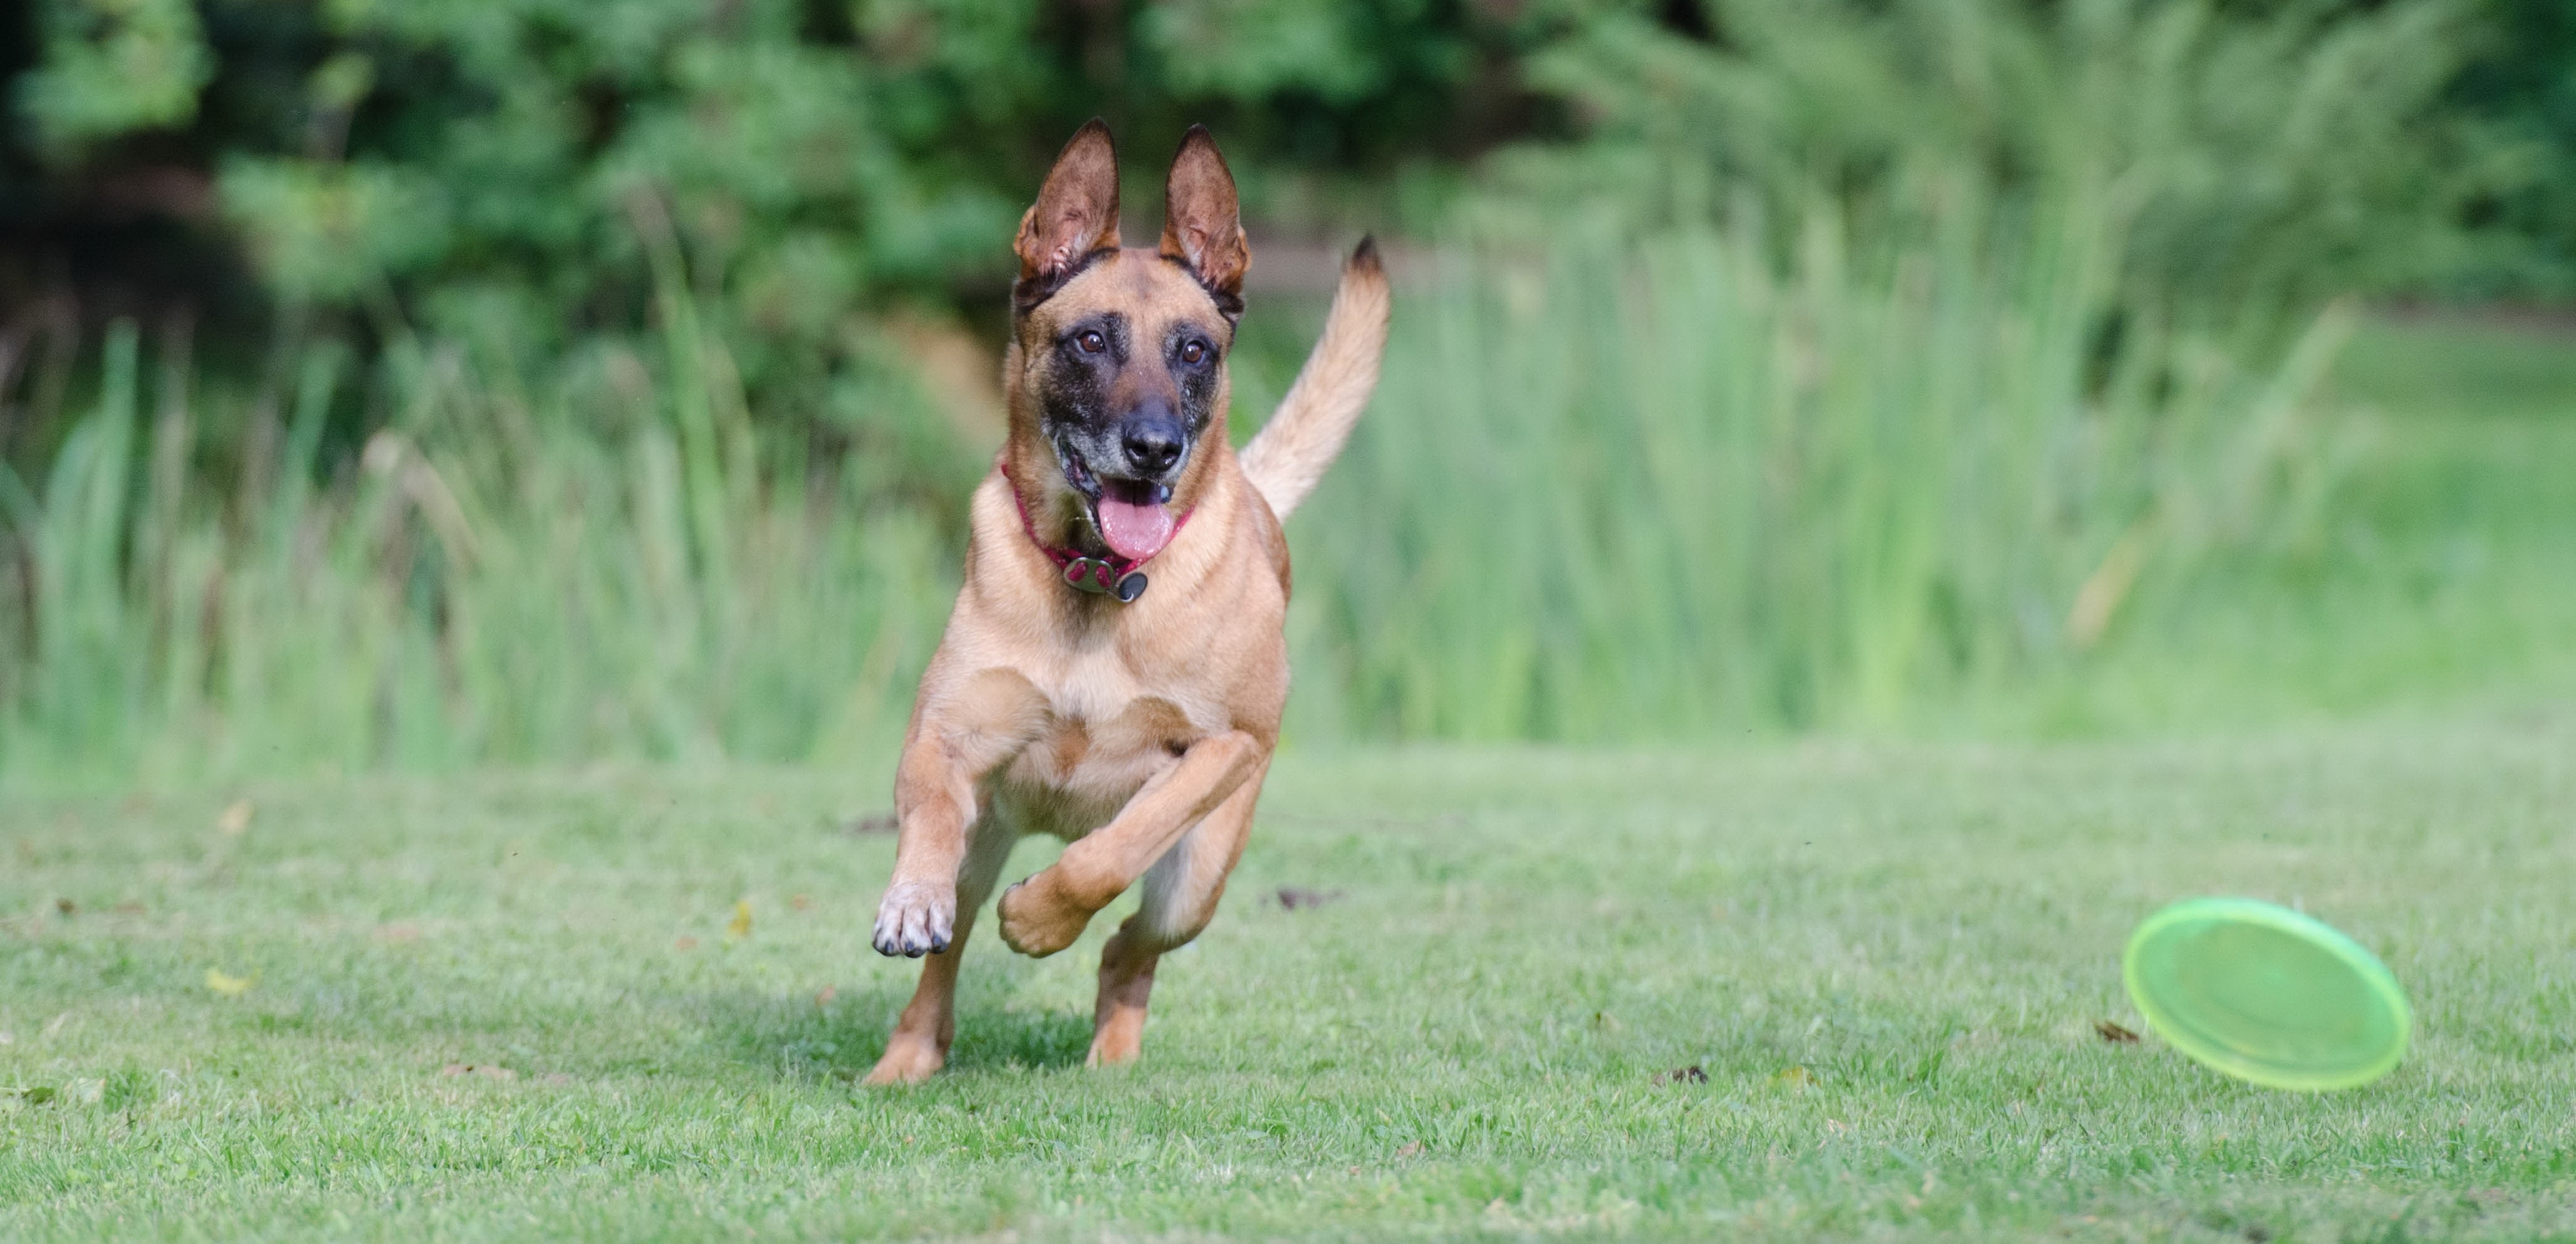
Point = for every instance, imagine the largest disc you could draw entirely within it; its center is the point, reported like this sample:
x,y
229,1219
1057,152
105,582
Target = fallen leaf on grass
x,y
1293,897
486,1070
800,901
229,986
1410,1148
1796,1077
235,819
740,925
685,942
2114,1033
824,996
67,907
1682,1075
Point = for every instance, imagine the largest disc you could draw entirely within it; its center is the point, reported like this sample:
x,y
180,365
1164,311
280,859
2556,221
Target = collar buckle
x,y
1089,574
1101,578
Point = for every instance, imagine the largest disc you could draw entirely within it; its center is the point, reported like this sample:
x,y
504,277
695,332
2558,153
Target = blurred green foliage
x,y
2521,88
113,66
2250,154
475,168
603,378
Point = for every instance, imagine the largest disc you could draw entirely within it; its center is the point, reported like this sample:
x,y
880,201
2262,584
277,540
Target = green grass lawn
x,y
1887,960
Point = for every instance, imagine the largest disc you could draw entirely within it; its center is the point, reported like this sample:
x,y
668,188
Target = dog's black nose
x,y
1152,445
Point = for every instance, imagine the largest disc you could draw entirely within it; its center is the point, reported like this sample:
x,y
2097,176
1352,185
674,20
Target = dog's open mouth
x,y
1133,517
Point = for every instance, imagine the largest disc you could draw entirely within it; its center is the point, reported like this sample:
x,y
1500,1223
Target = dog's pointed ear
x,y
1076,213
1203,220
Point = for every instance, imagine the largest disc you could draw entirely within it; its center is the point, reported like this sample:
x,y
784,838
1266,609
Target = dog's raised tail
x,y
1289,454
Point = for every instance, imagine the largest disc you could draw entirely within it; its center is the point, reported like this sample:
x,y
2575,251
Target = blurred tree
x,y
838,173
111,66
2251,153
478,167
2522,86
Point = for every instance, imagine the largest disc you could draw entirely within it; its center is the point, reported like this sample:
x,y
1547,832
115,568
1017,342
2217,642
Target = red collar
x,y
1113,576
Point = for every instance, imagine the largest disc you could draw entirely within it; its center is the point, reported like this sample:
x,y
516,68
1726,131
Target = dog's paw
x,y
916,919
909,1059
1037,921
1118,1042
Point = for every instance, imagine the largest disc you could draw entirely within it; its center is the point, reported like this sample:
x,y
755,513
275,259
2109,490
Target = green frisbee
x,y
2265,994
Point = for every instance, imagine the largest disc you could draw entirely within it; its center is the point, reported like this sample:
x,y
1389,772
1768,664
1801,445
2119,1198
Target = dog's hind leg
x,y
921,1038
1181,891
1045,913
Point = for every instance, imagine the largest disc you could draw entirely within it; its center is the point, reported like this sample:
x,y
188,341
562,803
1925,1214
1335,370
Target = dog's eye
x,y
1192,352
1091,341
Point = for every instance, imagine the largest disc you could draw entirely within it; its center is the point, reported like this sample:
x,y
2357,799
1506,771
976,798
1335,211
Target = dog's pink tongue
x,y
1134,531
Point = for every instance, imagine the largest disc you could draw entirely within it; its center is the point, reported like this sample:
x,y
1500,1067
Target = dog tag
x,y
1130,587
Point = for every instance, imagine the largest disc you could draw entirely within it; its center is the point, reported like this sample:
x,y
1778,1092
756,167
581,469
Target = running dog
x,y
1115,668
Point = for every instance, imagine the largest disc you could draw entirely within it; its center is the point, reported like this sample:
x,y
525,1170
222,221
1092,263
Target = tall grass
x,y
482,582
1610,490
1679,488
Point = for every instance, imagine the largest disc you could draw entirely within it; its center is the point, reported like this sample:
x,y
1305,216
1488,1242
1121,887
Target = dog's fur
x,y
1139,732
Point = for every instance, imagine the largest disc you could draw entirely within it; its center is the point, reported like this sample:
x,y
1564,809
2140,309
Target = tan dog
x,y
1065,697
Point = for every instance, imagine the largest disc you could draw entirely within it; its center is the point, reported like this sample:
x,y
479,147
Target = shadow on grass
x,y
803,1038
993,1039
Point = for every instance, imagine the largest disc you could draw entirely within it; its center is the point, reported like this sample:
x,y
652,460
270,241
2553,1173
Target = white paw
x,y
916,919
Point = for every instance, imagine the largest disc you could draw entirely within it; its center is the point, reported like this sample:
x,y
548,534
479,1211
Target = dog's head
x,y
1118,354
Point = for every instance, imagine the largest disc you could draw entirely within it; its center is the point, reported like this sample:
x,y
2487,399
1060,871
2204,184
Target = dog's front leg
x,y
934,805
946,860
1045,913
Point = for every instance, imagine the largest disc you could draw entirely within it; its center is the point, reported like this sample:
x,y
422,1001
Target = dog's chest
x,y
1099,734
